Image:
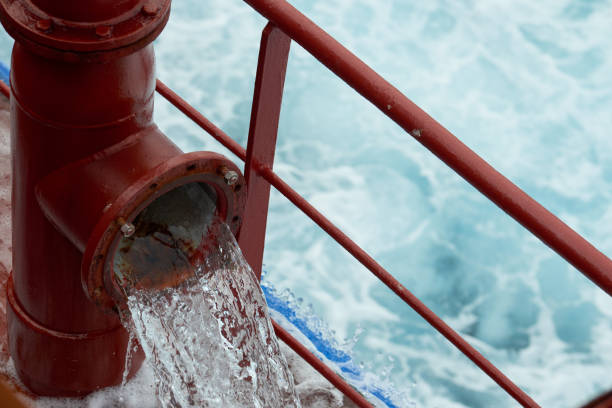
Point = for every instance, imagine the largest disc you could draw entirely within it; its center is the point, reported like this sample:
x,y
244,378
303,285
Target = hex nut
x,y
128,229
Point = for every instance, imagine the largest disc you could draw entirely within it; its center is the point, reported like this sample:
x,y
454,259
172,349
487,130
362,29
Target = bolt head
x,y
103,31
44,24
128,229
150,8
230,177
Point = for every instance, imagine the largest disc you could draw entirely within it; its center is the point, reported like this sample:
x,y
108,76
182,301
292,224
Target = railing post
x,y
265,114
506,195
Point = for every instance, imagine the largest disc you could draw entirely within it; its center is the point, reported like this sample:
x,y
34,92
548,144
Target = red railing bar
x,y
6,91
200,120
320,366
377,270
602,401
510,198
263,129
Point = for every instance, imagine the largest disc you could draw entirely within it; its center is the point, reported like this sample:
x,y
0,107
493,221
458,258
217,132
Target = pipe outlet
x,y
100,202
90,171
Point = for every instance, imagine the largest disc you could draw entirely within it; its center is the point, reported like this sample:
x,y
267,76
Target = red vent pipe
x,y
87,158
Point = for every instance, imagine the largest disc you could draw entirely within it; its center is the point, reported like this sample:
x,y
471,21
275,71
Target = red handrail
x,y
325,371
6,91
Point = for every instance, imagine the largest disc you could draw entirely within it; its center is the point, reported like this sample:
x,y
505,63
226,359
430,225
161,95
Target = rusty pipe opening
x,y
112,204
166,240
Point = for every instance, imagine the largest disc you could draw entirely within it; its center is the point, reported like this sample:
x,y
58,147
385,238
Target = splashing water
x,y
209,338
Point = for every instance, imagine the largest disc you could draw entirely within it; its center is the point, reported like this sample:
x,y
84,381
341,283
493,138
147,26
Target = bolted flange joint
x,y
88,30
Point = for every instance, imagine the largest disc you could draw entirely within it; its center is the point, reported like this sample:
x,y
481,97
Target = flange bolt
x,y
127,228
44,24
150,8
230,176
104,31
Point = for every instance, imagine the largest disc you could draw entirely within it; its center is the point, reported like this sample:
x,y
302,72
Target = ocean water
x,y
526,85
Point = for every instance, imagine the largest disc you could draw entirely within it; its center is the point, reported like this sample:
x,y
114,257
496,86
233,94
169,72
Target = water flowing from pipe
x,y
209,338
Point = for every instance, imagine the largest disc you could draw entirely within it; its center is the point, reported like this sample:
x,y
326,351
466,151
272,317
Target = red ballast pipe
x,y
506,195
87,160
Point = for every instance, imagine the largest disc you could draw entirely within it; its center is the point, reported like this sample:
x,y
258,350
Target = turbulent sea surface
x,y
527,85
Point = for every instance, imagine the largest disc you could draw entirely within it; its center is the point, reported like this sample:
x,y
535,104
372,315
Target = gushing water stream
x,y
209,337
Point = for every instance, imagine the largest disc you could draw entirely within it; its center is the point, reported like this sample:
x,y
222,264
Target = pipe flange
x,y
197,167
59,38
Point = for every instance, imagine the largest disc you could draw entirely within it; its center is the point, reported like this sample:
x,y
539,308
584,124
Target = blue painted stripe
x,y
4,73
323,345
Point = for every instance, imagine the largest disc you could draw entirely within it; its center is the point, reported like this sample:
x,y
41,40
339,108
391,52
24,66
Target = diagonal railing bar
x,y
320,366
6,91
265,115
362,256
506,195
200,120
